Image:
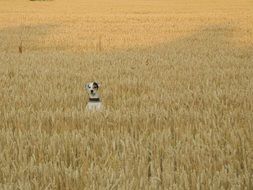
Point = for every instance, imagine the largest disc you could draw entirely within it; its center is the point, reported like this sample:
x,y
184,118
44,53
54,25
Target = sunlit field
x,y
176,84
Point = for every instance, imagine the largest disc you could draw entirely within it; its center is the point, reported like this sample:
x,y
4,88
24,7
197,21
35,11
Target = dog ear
x,y
96,84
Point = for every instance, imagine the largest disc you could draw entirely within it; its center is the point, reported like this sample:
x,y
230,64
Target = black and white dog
x,y
94,100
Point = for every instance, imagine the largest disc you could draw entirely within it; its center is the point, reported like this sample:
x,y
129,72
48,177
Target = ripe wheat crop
x,y
176,82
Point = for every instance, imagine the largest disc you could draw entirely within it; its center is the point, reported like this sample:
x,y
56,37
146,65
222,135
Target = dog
x,y
94,99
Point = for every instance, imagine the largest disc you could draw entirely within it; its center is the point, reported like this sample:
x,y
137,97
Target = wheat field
x,y
176,83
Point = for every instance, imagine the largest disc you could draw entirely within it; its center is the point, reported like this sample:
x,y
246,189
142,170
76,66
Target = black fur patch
x,y
95,85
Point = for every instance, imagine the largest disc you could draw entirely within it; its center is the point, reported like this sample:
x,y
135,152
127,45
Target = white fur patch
x,y
94,106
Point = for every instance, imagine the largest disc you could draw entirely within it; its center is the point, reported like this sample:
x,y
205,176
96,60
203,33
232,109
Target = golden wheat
x,y
177,84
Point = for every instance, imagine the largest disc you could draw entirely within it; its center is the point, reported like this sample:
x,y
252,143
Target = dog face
x,y
92,88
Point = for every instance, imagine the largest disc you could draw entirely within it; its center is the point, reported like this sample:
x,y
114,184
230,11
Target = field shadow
x,y
209,42
11,37
214,44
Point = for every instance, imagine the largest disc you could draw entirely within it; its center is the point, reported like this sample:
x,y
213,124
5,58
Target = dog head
x,y
92,88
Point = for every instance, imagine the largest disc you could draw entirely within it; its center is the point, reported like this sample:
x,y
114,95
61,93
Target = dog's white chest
x,y
94,106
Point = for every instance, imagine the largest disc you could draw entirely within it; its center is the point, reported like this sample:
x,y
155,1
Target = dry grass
x,y
177,83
